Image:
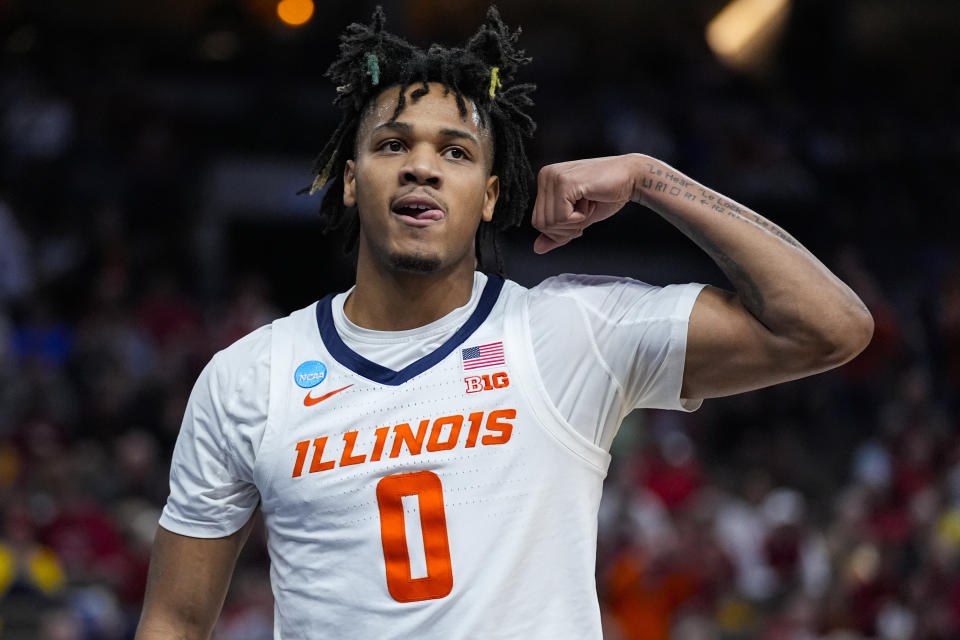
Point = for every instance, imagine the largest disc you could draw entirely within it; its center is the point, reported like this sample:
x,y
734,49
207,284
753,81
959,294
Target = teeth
x,y
412,207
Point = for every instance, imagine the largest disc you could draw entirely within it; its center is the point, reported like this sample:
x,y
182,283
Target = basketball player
x,y
428,448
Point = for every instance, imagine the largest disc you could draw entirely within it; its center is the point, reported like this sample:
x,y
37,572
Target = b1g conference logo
x,y
310,374
486,382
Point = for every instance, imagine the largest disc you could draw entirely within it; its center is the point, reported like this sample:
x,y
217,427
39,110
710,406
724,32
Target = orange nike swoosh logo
x,y
309,401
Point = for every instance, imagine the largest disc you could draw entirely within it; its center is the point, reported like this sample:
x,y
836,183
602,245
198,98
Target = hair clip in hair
x,y
373,68
322,177
494,81
344,88
316,186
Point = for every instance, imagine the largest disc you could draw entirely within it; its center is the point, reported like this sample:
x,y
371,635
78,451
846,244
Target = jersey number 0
x,y
439,579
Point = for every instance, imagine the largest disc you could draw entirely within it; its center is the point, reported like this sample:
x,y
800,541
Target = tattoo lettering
x,y
669,175
683,188
649,183
677,187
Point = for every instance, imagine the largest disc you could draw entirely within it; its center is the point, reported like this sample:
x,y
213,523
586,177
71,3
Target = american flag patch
x,y
486,355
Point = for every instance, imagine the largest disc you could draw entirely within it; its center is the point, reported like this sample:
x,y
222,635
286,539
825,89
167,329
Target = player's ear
x,y
349,184
490,198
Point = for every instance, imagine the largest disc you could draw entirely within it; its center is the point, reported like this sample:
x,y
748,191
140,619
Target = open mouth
x,y
418,213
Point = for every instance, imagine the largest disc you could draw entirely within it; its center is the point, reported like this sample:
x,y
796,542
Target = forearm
x,y
165,618
784,286
164,630
180,607
187,584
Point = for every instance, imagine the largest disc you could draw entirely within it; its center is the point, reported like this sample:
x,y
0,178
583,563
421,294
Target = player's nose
x,y
422,166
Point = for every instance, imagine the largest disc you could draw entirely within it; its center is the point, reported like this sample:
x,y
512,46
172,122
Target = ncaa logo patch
x,y
310,374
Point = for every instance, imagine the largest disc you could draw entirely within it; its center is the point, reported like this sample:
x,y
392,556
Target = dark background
x,y
149,159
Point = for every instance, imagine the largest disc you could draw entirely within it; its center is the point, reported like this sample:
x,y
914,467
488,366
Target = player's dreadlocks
x,y
373,60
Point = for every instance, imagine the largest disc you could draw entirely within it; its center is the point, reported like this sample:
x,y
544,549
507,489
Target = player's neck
x,y
395,301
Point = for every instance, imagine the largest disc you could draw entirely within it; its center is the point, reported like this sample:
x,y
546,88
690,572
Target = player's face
x,y
421,183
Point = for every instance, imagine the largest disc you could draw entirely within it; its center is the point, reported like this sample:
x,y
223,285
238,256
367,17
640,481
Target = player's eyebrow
x,y
407,128
402,127
460,133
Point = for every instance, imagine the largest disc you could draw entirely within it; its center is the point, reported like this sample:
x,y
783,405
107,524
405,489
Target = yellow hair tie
x,y
494,81
323,176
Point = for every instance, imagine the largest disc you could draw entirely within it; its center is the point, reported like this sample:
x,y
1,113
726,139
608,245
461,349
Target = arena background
x,y
149,158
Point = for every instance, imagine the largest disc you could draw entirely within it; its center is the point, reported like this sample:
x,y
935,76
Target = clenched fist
x,y
571,196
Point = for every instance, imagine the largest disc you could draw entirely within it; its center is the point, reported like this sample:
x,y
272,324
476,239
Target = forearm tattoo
x,y
677,187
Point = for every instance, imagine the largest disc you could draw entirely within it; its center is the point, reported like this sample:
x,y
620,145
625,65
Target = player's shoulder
x,y
243,368
612,297
588,289
573,283
249,349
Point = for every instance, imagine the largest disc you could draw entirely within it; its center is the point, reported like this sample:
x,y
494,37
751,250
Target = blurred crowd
x,y
827,508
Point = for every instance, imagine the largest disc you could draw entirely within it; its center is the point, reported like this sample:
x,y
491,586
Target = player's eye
x,y
457,153
394,146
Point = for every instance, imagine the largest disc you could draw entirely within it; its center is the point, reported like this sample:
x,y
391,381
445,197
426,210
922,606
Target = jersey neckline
x,y
437,331
378,373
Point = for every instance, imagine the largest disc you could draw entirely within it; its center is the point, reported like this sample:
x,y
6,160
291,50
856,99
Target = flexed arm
x,y
790,316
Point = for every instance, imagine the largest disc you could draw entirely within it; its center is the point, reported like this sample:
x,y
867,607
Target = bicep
x,y
187,583
729,351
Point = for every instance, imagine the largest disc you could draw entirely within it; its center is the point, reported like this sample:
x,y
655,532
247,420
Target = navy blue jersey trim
x,y
378,373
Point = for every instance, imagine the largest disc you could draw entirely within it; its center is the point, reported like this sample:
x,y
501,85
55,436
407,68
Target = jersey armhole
x,y
531,385
282,345
623,409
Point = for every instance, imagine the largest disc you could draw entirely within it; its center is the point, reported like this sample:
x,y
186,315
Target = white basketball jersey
x,y
445,500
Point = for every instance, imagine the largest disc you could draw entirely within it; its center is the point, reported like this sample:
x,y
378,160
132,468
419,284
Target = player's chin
x,y
414,262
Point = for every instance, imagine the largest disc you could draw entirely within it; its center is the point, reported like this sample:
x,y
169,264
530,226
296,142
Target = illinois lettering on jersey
x,y
444,435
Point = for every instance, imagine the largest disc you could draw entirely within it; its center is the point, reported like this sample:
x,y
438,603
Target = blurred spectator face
x,y
136,452
60,625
